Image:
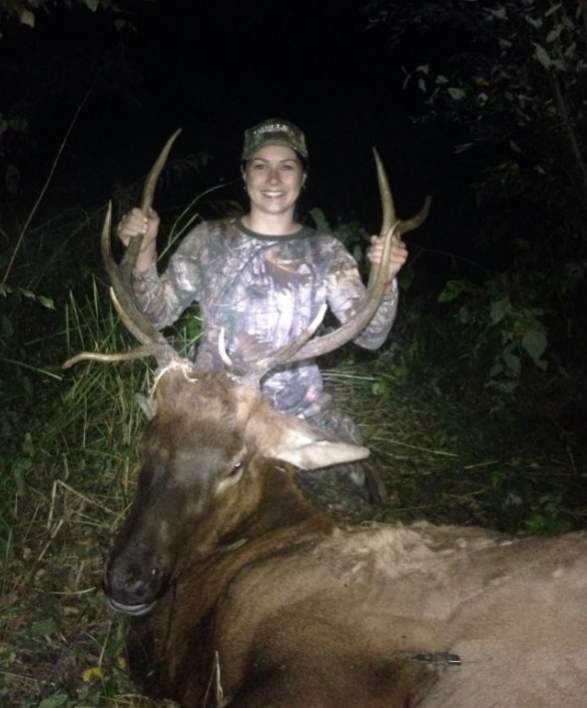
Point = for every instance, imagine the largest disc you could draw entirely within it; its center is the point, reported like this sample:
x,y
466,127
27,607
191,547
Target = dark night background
x,y
215,69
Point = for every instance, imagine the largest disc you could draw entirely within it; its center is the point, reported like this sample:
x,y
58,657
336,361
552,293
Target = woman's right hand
x,y
135,223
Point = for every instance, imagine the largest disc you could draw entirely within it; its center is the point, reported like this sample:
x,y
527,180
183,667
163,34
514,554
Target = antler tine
x,y
138,353
418,219
155,171
387,205
253,372
388,212
134,246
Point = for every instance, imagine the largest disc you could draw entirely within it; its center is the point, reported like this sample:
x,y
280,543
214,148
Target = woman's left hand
x,y
397,256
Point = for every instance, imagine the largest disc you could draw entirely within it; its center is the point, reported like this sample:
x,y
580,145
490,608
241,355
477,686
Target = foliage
x,y
25,11
501,332
515,84
351,233
6,290
513,90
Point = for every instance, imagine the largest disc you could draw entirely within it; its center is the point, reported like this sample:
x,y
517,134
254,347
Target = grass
x,y
68,477
446,458
66,483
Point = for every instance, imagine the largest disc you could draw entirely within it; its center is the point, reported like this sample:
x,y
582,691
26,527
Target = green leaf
x,y
457,94
381,388
92,4
28,446
26,17
46,302
452,290
512,361
464,315
320,219
542,55
6,327
522,244
534,342
553,9
19,468
45,627
498,310
500,12
495,370
19,123
554,34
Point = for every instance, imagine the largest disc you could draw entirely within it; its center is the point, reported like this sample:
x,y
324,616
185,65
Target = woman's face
x,y
273,179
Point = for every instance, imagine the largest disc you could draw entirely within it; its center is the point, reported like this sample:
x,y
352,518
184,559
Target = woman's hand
x,y
134,223
397,256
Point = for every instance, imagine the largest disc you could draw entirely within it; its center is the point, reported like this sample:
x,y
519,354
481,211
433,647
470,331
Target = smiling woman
x,y
274,168
273,178
261,280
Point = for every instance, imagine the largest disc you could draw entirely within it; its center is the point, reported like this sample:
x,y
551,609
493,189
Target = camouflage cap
x,y
274,131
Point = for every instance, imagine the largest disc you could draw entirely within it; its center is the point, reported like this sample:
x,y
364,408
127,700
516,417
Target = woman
x,y
263,278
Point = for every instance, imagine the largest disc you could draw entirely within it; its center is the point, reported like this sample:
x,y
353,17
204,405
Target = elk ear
x,y
321,453
147,404
308,447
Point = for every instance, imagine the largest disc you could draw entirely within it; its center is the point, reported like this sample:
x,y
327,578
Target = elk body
x,y
251,597
245,595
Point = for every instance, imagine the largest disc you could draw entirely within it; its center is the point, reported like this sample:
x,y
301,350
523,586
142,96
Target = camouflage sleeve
x,y
164,297
346,294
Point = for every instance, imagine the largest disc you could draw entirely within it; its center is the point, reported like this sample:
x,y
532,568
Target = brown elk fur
x,y
268,603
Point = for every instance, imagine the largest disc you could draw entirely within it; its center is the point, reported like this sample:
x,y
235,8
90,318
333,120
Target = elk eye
x,y
236,469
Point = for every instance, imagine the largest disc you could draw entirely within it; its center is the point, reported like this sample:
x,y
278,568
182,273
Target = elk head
x,y
213,444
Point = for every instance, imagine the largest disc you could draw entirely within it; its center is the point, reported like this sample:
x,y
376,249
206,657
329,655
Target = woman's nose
x,y
273,176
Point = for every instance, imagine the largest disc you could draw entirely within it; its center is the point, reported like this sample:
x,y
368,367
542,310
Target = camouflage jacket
x,y
263,290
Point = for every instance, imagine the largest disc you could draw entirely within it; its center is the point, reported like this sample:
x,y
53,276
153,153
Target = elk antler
x,y
391,228
153,342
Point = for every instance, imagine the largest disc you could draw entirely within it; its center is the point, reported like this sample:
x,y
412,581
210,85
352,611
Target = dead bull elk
x,y
244,595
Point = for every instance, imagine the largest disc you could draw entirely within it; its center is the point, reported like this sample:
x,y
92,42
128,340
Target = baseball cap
x,y
274,131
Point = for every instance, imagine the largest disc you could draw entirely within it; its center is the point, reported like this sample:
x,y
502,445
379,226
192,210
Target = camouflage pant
x,y
357,478
333,420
